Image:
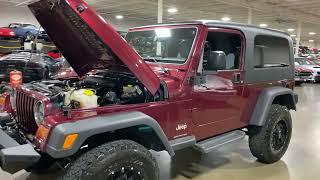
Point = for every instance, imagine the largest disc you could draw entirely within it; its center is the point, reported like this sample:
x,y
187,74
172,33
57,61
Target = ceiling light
x,y
290,30
119,17
225,19
172,10
312,33
263,25
311,40
293,35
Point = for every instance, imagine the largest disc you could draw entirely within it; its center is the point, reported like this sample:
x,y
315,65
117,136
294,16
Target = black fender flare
x,y
96,125
265,100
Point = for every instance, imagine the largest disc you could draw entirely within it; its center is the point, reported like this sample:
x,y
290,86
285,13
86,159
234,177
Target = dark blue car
x,y
26,31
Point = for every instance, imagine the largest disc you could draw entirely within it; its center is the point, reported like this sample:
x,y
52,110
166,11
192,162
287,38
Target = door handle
x,y
237,78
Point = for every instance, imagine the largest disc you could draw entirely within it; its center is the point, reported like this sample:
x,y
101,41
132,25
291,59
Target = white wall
x,y
10,13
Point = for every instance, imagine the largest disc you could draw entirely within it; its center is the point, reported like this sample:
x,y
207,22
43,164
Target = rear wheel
x,y
269,142
116,160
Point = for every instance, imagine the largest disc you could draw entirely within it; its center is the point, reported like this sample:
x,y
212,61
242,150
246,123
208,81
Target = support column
x,y
160,11
249,16
298,38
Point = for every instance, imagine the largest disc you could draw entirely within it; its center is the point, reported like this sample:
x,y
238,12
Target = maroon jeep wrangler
x,y
198,84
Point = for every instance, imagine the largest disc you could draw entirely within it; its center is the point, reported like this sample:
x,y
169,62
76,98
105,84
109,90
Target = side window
x,y
270,51
229,43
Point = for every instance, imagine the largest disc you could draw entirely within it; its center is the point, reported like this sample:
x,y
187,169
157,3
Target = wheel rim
x,y
29,36
279,136
125,173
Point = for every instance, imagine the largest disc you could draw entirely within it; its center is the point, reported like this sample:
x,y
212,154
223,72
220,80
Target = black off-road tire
x,y
105,161
262,143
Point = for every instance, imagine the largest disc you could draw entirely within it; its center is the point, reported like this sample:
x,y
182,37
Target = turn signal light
x,y
42,133
69,141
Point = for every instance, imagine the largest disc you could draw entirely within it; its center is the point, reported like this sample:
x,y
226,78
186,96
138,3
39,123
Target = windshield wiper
x,y
157,62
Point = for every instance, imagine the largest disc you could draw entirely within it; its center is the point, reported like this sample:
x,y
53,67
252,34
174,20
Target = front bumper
x,y
15,156
315,77
298,78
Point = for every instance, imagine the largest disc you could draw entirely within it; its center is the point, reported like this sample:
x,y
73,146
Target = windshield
x,y
166,45
14,25
304,62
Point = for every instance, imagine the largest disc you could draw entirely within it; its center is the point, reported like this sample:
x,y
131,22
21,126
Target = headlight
x,y
13,95
38,112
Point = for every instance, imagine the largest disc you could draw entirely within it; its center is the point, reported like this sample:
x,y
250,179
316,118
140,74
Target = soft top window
x,y
270,51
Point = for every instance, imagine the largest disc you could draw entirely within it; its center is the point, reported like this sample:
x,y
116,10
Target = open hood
x,y
88,42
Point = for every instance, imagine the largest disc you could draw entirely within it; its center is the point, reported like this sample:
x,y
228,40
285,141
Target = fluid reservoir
x,y
85,97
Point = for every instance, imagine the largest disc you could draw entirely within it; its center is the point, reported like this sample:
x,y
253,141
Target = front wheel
x,y
269,142
29,36
123,159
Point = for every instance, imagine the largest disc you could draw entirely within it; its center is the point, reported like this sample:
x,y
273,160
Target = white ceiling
x,y
279,14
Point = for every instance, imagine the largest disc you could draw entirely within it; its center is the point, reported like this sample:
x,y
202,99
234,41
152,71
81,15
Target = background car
x,y
34,66
302,75
313,58
55,54
6,32
26,31
302,62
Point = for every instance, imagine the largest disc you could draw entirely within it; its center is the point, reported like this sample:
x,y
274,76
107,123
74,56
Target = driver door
x,y
218,100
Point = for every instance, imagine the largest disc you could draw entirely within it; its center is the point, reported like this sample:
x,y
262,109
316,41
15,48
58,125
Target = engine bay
x,y
102,88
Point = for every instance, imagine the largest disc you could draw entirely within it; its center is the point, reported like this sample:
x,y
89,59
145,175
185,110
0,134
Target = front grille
x,y
24,113
305,74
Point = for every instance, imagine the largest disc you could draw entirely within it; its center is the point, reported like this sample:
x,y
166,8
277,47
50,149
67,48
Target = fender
x,y
265,100
97,125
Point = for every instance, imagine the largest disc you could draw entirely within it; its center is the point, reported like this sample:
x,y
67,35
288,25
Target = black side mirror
x,y
217,61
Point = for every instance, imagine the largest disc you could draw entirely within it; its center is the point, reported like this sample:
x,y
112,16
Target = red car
x,y
194,84
55,54
6,32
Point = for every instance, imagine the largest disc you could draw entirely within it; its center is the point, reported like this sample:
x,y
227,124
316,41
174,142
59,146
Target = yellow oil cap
x,y
88,92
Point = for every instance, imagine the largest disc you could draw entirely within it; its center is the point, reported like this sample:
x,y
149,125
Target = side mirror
x,y
217,61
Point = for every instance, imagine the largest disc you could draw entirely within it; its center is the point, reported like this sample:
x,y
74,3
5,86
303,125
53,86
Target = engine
x,y
102,88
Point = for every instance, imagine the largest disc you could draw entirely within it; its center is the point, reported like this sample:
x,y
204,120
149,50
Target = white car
x,y
303,63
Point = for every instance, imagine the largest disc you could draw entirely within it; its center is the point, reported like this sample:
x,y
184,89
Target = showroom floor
x,y
235,161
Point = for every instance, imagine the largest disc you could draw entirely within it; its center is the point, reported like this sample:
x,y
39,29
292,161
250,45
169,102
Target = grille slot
x,y
25,115
305,74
